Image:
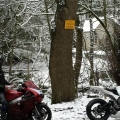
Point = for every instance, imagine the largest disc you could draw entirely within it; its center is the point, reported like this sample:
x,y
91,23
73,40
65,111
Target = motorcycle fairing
x,y
37,91
17,107
36,94
102,90
12,95
22,108
30,84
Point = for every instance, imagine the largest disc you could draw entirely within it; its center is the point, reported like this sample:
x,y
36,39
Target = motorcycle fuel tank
x,y
12,94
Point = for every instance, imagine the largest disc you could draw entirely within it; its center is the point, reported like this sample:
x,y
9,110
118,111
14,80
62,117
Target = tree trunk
x,y
61,66
78,55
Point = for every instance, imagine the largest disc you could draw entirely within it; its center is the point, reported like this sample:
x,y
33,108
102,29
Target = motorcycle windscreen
x,y
30,84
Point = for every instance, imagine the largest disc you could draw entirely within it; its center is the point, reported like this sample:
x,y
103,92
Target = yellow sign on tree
x,y
69,24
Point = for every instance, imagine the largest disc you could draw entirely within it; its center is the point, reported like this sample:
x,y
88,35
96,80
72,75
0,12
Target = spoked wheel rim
x,y
40,114
95,111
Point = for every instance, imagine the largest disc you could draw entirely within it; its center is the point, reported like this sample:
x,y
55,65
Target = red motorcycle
x,y
26,103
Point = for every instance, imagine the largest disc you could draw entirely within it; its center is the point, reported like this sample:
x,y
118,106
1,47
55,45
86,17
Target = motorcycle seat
x,y
113,90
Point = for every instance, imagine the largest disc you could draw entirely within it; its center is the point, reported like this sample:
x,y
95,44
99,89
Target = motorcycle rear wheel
x,y
42,112
92,110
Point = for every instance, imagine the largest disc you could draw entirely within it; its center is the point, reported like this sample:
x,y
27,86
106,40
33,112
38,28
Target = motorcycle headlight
x,y
41,94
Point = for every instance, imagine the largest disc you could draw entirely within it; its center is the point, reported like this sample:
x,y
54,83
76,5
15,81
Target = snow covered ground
x,y
74,110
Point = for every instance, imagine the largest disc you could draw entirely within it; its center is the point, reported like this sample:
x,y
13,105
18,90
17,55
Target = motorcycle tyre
x,y
49,113
89,106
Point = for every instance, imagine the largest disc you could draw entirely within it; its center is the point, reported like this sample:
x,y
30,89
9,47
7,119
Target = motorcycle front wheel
x,y
93,112
41,112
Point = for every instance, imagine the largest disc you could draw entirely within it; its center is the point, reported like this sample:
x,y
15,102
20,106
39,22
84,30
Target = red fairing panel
x,y
30,84
12,94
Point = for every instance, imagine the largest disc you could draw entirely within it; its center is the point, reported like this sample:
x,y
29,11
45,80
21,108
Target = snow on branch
x,y
25,6
26,21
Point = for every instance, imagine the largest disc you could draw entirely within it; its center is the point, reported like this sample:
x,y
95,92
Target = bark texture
x,y
61,66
